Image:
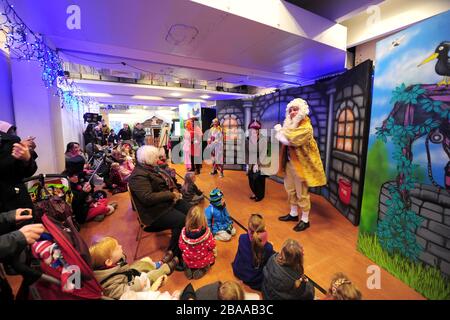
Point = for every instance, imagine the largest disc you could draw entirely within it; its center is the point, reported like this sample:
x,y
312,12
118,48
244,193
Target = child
x,y
341,288
190,191
219,220
85,207
197,244
117,277
228,290
115,179
253,253
284,277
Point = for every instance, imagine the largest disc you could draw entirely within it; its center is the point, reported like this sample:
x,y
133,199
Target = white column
x,y
38,113
248,113
6,102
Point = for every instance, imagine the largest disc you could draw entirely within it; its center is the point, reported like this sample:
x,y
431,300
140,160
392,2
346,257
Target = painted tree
x,y
414,115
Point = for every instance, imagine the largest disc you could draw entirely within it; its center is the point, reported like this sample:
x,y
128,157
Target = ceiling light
x,y
204,96
147,98
175,94
93,94
192,100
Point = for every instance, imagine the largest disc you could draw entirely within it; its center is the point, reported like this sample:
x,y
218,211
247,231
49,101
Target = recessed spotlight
x,y
192,100
175,94
147,98
204,96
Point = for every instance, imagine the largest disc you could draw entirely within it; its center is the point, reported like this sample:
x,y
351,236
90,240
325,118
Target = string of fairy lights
x,y
24,44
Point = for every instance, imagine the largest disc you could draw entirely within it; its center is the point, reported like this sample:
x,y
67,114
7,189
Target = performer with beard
x,y
300,161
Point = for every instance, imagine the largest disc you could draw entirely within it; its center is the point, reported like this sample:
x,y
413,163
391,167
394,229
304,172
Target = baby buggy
x,y
64,271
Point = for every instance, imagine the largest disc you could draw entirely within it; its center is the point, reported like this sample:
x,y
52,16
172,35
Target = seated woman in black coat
x,y
156,197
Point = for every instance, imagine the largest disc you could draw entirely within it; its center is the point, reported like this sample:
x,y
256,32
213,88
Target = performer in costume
x,y
192,137
216,142
256,154
299,161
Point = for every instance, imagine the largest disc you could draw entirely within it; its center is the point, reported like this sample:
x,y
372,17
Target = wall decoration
x,y
405,222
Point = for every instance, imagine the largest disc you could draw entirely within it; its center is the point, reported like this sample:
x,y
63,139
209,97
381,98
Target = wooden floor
x,y
329,244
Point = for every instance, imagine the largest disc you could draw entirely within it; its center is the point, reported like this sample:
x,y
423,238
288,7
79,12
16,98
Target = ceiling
x,y
335,10
187,41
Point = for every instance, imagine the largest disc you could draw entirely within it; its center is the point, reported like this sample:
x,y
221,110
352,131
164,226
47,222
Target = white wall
x,y
73,124
133,116
390,16
6,102
37,113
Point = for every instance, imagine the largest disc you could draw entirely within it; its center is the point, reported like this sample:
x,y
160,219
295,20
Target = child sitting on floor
x,y
85,206
284,277
117,277
197,245
118,185
228,290
253,253
219,220
191,193
341,288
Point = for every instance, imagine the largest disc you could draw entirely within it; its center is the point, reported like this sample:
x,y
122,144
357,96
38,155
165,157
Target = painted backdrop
x,y
405,218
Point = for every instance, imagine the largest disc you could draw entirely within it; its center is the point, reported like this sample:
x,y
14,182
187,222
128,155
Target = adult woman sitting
x,y
156,198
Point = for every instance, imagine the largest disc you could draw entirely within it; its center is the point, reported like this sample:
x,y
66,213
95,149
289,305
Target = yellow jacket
x,y
304,154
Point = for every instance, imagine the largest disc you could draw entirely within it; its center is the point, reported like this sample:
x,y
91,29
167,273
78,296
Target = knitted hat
x,y
255,124
215,197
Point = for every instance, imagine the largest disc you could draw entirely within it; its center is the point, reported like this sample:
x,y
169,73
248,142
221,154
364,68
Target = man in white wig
x,y
299,161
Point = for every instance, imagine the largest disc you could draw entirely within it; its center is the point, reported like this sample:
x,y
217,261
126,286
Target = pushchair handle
x,y
29,274
41,177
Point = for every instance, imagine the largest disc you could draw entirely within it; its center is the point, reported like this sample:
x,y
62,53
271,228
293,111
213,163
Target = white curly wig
x,y
147,155
303,111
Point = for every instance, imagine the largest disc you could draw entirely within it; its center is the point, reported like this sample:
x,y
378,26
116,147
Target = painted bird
x,y
443,65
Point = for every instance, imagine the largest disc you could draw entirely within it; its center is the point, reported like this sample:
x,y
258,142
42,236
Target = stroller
x,y
49,282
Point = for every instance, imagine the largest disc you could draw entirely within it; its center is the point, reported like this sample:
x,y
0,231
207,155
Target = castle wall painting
x,y
405,217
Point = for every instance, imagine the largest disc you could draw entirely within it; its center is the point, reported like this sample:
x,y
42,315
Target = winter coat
x,y
13,192
139,134
124,134
243,267
12,241
151,194
197,248
279,283
208,292
118,279
115,178
192,191
218,218
113,138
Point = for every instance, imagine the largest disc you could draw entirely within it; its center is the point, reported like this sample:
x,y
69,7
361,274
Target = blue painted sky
x,y
395,65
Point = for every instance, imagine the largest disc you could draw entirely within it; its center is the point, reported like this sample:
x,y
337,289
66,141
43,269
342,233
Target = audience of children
x,y
191,193
284,277
117,277
253,253
197,245
341,288
219,220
